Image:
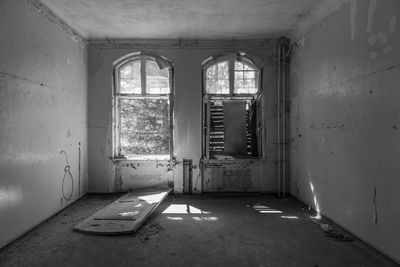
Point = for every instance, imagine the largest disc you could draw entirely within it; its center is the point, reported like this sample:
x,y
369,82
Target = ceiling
x,y
186,19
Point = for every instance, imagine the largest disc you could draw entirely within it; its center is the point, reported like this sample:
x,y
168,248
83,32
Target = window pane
x,y
217,78
238,65
212,71
144,127
245,86
126,71
211,85
249,74
223,70
129,78
247,67
157,80
245,78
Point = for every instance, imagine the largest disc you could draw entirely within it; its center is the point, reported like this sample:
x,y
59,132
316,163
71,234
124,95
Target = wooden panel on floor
x,y
125,215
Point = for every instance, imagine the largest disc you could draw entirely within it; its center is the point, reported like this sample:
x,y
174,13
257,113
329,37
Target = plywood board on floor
x,y
125,215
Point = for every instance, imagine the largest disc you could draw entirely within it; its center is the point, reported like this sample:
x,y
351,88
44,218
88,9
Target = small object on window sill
x,y
223,157
141,158
118,158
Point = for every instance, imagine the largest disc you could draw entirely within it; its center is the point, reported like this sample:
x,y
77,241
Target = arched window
x,y
231,75
232,112
142,108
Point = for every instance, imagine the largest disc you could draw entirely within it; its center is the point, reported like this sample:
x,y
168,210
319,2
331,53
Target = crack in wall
x,y
358,77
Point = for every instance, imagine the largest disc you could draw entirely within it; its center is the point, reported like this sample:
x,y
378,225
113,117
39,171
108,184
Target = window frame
x,y
116,96
207,97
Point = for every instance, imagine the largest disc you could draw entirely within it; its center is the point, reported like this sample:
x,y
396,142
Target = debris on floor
x,y
325,227
331,233
148,231
264,209
258,206
339,237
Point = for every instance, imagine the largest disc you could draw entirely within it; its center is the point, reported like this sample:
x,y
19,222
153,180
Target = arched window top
x,y
232,74
140,74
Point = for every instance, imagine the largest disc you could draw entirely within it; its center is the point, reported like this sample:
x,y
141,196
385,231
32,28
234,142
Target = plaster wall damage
x,y
345,120
43,124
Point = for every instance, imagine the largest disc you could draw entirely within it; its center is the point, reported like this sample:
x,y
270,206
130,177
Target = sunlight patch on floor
x,y
289,217
175,218
186,209
183,209
265,209
154,198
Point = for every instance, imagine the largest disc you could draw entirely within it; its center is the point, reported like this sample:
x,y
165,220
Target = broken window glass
x,y
157,80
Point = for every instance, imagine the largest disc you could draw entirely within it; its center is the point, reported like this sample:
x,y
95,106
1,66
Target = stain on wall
x,y
43,88
345,119
233,177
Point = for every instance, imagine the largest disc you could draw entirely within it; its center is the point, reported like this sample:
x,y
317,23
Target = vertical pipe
x,y
283,122
185,176
190,177
278,118
79,169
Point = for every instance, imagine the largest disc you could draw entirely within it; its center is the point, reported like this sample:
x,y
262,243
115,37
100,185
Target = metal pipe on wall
x,y
281,115
278,119
283,122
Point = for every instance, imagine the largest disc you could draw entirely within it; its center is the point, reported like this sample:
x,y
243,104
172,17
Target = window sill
x,y
231,160
148,158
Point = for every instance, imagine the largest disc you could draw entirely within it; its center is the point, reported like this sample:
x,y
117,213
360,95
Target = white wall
x,y
345,120
43,106
187,61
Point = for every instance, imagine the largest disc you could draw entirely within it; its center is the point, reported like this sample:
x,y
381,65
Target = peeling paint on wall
x,y
353,12
387,49
393,22
377,38
241,177
371,11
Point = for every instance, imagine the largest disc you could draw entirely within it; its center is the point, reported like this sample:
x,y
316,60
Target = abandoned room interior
x,y
199,133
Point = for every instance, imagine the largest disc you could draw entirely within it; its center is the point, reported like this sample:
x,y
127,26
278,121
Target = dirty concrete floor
x,y
221,230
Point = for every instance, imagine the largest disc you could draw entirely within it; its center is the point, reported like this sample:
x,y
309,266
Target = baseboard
x,y
385,253
10,241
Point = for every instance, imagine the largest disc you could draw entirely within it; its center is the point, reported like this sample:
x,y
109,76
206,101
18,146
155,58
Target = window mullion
x,y
231,70
143,74
119,126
